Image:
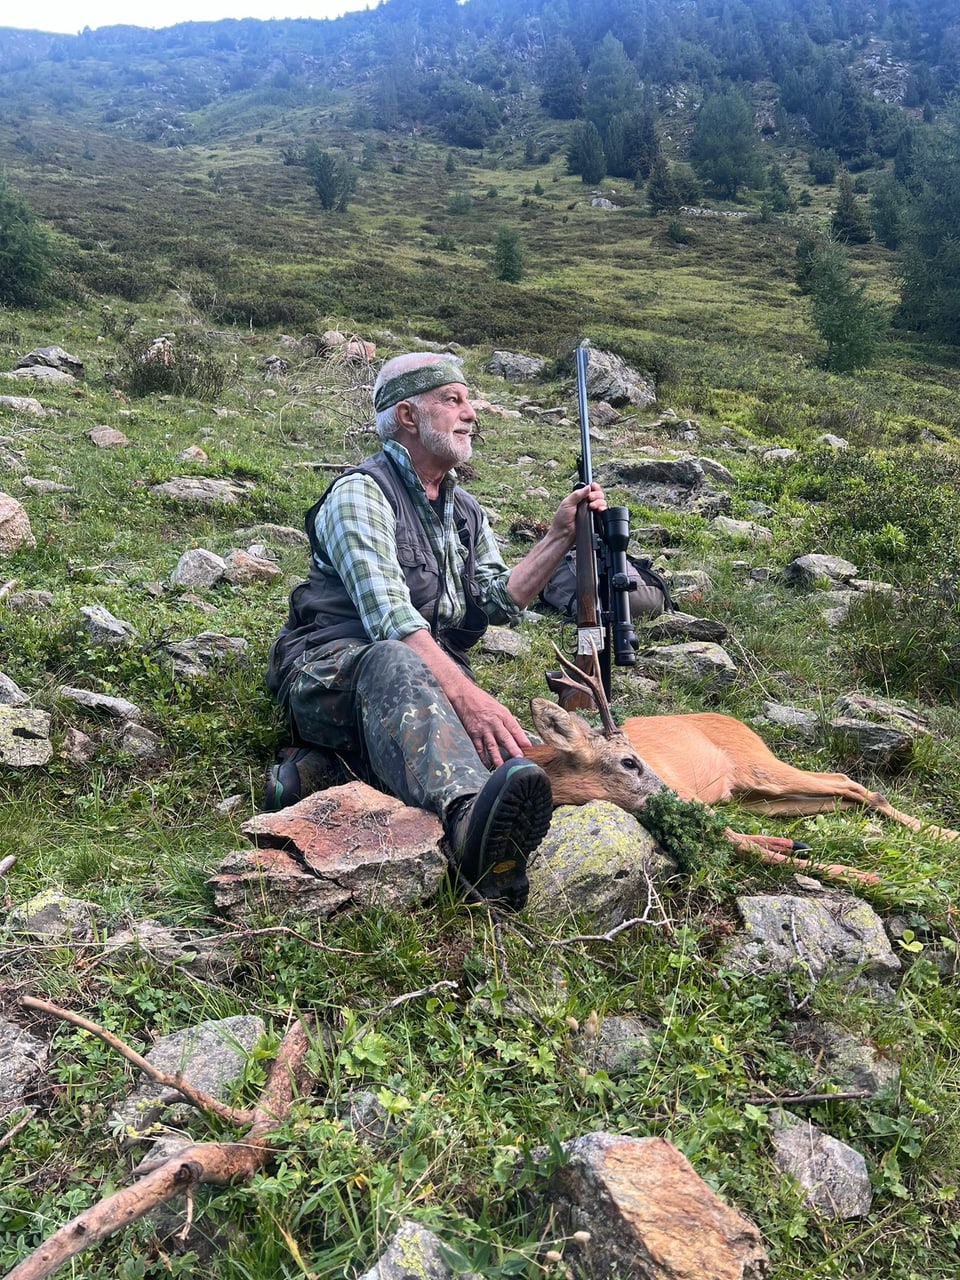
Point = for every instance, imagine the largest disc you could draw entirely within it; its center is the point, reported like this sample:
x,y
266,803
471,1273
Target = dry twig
x,y
217,1163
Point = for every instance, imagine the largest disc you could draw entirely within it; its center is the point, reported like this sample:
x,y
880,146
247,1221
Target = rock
x,y
29,601
242,569
198,568
52,916
690,584
832,441
832,1176
202,489
275,366
612,379
595,863
192,453
717,471
368,1118
808,571
863,707
23,404
22,1061
103,628
650,1217
681,626
502,642
346,848
186,950
141,742
804,724
210,1056
515,367
603,414
877,744
11,695
742,530
695,662
192,659
51,358
414,1253
100,702
840,937
620,1045
42,487
842,1059
771,456
40,373
106,437
601,202
279,534
77,747
15,531
24,736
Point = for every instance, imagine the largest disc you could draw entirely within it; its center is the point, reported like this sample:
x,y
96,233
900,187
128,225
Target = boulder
x,y
346,848
832,1176
100,702
106,437
612,379
241,568
648,1215
595,863
838,937
809,570
15,531
22,1060
198,568
515,367
694,662
24,736
53,916
104,629
414,1253
23,404
51,358
201,489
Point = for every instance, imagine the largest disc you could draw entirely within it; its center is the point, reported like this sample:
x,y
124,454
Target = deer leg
x,y
762,846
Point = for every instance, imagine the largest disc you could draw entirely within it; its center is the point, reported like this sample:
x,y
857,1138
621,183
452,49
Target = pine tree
x,y
508,256
848,322
930,243
585,153
611,83
662,193
723,149
562,92
849,221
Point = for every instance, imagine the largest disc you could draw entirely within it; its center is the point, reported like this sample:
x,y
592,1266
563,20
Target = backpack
x,y
650,598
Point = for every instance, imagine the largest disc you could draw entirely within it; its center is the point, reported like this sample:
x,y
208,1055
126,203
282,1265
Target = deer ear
x,y
557,727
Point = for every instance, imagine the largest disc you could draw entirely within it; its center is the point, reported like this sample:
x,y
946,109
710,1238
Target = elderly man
x,y
372,663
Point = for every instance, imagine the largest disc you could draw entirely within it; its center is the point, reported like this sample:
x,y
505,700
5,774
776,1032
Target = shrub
x,y
181,365
26,251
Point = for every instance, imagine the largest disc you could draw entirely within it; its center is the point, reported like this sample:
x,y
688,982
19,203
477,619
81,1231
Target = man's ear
x,y
406,415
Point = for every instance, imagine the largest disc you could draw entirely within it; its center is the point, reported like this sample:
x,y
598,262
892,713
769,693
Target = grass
x,y
483,1081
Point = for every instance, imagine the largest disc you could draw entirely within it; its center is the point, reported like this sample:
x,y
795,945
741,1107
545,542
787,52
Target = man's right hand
x,y
493,730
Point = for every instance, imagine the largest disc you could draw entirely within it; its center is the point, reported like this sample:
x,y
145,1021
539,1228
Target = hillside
x,y
177,177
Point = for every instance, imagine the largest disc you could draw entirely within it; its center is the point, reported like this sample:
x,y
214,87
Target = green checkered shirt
x,y
356,539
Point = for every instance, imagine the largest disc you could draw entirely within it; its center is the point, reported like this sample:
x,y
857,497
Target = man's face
x,y
446,423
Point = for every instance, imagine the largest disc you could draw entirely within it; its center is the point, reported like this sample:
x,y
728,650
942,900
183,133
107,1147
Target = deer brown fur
x,y
711,758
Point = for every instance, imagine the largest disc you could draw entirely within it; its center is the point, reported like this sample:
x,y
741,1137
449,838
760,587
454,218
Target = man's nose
x,y
468,412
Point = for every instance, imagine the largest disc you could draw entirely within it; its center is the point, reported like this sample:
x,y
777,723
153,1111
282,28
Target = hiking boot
x,y
299,772
493,833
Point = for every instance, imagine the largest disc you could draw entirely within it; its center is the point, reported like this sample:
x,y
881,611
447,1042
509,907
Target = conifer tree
x,y
848,322
723,149
562,92
508,256
585,153
662,193
849,222
611,83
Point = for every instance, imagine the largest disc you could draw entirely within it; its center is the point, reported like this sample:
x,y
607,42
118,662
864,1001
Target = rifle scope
x,y
616,536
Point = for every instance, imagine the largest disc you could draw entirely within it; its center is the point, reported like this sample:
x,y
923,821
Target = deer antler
x,y
584,682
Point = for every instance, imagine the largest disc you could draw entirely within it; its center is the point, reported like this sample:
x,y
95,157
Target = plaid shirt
x,y
356,534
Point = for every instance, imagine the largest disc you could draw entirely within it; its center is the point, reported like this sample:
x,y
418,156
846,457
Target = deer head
x,y
584,763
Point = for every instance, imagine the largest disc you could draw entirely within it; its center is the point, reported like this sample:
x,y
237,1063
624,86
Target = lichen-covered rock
x,y
414,1253
52,916
24,736
198,568
832,1176
696,662
22,1060
15,531
594,863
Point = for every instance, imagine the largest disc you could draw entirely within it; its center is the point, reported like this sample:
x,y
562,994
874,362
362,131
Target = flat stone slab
x,y
24,736
347,848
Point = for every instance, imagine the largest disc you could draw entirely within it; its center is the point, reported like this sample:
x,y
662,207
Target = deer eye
x,y
631,762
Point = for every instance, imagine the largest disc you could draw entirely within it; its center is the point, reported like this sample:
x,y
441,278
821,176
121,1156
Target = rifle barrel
x,y
586,464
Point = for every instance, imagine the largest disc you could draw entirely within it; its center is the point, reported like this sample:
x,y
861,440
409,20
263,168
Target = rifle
x,y
603,578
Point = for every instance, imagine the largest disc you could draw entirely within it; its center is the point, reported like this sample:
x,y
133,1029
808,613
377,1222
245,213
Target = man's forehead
x,y
415,382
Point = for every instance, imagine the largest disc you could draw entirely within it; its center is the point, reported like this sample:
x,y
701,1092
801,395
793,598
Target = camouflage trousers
x,y
381,702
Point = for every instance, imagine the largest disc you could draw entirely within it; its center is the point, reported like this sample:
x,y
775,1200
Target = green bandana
x,y
414,382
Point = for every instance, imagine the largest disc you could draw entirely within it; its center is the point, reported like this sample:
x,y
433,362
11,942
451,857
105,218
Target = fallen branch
x,y
799,1099
215,1163
22,1123
202,1101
